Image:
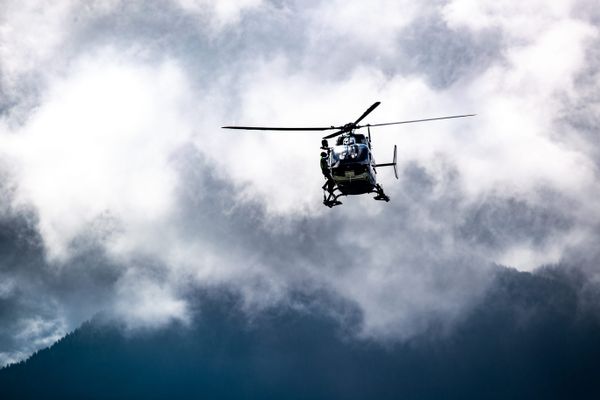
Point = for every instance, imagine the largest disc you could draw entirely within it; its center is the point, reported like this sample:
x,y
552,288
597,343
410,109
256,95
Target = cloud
x,y
98,146
225,12
143,303
113,158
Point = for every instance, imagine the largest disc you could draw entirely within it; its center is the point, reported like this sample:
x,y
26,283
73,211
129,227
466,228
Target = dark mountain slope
x,y
534,335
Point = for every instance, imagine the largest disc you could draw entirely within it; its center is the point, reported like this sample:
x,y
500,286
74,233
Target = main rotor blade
x,y
334,134
373,106
419,120
265,128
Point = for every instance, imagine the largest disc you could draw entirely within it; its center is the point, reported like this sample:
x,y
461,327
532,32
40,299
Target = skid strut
x,y
331,194
330,197
380,194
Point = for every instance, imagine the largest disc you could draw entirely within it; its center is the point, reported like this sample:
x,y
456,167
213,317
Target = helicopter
x,y
349,166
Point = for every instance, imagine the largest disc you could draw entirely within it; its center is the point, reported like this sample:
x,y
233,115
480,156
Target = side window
x,y
364,153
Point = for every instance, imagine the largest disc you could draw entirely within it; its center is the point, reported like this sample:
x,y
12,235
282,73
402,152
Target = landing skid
x,y
380,194
330,197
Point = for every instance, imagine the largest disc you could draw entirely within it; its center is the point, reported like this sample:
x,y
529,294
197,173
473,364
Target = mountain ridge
x,y
289,352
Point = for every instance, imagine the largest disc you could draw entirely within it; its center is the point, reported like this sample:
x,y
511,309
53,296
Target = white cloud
x,y
30,33
99,146
145,303
375,24
517,19
221,13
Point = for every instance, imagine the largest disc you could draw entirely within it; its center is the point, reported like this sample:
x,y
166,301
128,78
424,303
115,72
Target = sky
x,y
120,193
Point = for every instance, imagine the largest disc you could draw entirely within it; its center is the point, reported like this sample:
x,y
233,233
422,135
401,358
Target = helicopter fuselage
x,y
348,166
352,168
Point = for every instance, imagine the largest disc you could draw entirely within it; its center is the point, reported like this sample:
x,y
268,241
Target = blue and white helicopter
x,y
349,166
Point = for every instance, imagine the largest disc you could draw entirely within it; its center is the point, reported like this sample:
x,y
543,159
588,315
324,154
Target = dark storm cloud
x,y
306,253
302,255
498,223
39,302
447,55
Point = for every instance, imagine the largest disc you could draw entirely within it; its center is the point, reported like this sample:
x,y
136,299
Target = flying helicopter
x,y
349,166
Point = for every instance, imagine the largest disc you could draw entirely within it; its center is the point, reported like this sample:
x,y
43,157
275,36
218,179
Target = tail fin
x,y
392,164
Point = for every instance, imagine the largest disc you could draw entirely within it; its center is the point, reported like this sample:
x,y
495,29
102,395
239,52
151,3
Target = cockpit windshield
x,y
350,153
353,139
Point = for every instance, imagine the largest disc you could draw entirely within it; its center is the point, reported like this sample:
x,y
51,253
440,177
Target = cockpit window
x,y
360,138
354,139
350,153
